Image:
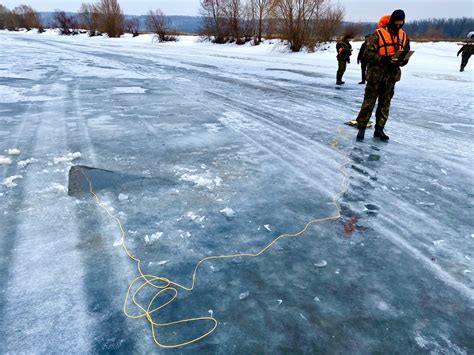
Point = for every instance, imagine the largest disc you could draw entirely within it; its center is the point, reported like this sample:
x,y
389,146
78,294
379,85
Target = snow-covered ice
x,y
188,129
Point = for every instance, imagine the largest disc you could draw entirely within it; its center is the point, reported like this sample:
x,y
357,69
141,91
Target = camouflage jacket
x,y
467,49
379,68
344,50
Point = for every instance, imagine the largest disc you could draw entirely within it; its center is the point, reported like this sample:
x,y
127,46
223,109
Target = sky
x,y
355,10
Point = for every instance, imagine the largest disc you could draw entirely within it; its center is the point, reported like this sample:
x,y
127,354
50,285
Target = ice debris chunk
x,y
275,304
10,181
150,239
4,160
228,212
13,151
24,163
123,197
244,295
321,263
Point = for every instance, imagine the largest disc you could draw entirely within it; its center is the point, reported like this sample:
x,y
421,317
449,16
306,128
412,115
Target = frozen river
x,y
217,150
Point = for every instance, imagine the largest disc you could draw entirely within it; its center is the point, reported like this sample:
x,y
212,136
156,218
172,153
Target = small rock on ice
x,y
12,151
244,295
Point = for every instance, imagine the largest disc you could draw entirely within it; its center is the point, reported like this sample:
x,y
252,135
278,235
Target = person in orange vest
x,y
383,71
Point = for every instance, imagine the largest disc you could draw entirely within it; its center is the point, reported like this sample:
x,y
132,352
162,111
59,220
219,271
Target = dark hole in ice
x,y
79,177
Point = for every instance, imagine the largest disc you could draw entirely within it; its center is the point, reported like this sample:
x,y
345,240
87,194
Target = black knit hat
x,y
397,15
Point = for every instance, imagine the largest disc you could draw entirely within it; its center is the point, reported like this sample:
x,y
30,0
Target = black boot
x,y
379,133
360,134
339,80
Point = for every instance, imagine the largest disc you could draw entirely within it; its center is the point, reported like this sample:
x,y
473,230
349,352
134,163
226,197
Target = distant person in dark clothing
x,y
361,60
344,51
467,50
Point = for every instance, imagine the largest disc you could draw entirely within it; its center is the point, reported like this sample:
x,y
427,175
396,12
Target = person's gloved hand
x,y
386,59
402,63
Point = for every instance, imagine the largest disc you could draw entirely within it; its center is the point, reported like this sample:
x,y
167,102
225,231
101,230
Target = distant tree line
x,y
104,16
23,16
436,29
301,23
440,28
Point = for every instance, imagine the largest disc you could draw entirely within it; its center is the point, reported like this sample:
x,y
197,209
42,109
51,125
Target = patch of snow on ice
x,y
150,239
202,180
129,90
195,217
67,158
12,95
55,188
24,163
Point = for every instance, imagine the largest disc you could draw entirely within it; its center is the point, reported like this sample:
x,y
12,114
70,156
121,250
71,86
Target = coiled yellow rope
x,y
165,285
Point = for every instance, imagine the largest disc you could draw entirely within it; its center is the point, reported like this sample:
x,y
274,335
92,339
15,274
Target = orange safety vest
x,y
388,43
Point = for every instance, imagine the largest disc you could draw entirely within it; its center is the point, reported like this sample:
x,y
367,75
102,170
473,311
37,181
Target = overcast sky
x,y
356,10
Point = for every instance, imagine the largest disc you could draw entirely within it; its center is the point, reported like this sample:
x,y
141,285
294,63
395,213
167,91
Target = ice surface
x,y
187,130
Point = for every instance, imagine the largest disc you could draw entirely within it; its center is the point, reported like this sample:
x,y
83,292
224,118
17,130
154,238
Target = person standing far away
x,y
467,50
383,71
361,60
344,51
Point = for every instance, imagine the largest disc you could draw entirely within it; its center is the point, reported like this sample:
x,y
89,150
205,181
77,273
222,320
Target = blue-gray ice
x,y
234,149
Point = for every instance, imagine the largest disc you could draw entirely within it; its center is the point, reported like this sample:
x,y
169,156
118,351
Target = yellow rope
x,y
165,285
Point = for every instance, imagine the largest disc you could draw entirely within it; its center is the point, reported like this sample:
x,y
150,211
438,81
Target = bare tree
x,y
26,17
232,11
64,22
132,25
329,23
261,10
88,18
157,22
111,19
212,12
6,19
247,22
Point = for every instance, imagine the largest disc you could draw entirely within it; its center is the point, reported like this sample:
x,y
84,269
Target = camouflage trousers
x,y
341,69
464,60
376,90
